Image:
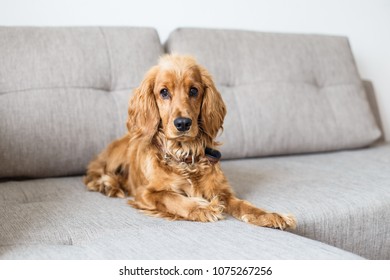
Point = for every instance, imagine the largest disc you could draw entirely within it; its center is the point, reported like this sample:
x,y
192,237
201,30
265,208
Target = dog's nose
x,y
182,124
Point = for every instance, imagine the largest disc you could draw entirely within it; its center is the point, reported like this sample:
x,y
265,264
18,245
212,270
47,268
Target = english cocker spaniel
x,y
167,161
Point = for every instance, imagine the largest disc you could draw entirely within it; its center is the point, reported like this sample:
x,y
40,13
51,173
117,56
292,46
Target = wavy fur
x,y
166,170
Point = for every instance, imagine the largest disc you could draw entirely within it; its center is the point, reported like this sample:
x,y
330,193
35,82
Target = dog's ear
x,y
213,108
144,118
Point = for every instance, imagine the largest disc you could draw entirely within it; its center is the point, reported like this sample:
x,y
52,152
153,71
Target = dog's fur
x,y
166,170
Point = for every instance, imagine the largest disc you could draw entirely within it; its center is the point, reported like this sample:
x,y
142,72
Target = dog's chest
x,y
188,178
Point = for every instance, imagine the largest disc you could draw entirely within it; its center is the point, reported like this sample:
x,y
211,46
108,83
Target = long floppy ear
x,y
213,108
144,118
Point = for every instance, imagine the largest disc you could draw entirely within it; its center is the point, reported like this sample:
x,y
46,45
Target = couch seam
x,y
111,89
242,124
290,82
108,52
65,87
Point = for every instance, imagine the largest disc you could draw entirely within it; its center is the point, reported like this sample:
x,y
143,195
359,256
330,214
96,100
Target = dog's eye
x,y
164,93
193,92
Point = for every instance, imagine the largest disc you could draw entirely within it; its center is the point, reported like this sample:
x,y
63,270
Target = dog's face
x,y
178,92
179,97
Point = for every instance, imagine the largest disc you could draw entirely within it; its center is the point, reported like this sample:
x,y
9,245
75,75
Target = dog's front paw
x,y
207,211
106,185
272,220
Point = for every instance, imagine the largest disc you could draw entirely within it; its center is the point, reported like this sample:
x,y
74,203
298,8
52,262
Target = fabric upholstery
x,y
372,100
339,198
64,94
284,93
63,98
59,219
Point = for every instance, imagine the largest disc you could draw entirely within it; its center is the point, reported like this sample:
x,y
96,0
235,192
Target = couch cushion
x,y
64,93
284,93
59,219
339,198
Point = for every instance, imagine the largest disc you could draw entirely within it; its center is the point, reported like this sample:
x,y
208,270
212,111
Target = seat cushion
x,y
64,94
285,93
59,219
339,198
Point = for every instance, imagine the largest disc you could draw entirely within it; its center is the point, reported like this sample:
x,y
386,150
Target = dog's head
x,y
179,97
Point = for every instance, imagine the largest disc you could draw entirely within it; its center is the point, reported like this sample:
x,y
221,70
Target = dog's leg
x,y
215,184
108,172
248,213
105,182
173,205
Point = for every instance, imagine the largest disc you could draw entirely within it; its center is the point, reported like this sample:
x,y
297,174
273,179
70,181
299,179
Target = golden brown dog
x,y
167,160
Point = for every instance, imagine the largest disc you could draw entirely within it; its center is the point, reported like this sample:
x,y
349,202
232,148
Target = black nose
x,y
182,124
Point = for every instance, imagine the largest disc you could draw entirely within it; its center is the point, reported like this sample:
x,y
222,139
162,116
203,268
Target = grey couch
x,y
300,137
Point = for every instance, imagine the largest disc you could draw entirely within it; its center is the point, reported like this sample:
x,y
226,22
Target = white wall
x,y
365,22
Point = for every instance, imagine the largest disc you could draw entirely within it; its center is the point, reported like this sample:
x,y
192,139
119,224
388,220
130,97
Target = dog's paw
x,y
106,185
207,211
272,220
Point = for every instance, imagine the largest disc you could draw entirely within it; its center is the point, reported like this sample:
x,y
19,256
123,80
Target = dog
x,y
168,160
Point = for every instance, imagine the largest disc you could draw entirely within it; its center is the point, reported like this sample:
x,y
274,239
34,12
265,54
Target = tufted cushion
x,y
64,94
284,93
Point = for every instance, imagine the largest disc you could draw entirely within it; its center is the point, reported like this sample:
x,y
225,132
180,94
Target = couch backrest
x,y
64,94
285,93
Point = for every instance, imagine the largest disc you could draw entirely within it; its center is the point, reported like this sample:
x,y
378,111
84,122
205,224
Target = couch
x,y
301,136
